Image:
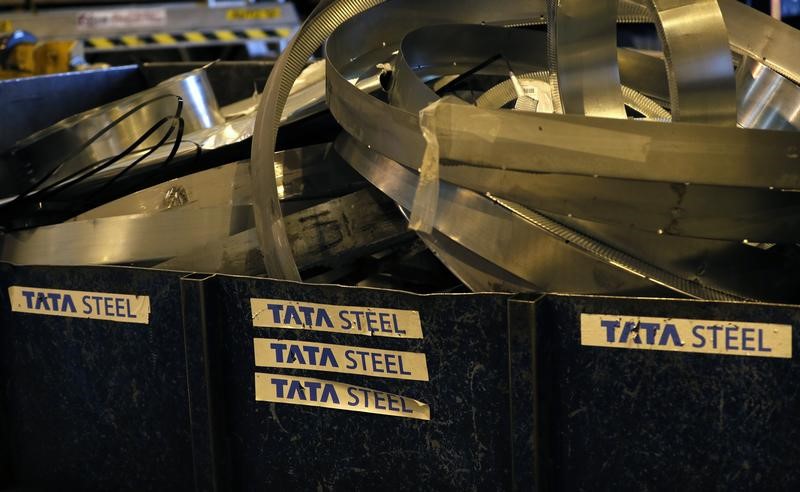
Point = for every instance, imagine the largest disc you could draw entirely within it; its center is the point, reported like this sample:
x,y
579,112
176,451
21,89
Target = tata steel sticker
x,y
123,308
340,358
355,320
743,338
296,390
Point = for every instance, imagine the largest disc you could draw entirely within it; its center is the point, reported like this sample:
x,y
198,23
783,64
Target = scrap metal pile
x,y
525,147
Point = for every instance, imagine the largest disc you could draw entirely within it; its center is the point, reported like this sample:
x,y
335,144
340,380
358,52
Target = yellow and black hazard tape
x,y
186,38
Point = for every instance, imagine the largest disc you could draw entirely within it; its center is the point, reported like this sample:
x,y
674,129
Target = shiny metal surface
x,y
128,231
519,241
615,172
590,201
322,22
582,53
289,66
698,59
216,238
713,212
137,238
271,229
767,99
307,98
691,154
730,266
646,72
224,185
350,106
762,37
307,94
393,25
675,152
305,173
473,270
601,204
750,33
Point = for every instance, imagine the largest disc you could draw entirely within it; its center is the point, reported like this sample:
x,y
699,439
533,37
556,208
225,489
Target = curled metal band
x,y
698,60
359,43
458,46
521,230
582,51
767,99
271,229
743,163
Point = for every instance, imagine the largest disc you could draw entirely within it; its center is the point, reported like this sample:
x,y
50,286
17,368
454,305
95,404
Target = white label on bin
x,y
296,390
370,321
110,19
328,357
742,338
123,308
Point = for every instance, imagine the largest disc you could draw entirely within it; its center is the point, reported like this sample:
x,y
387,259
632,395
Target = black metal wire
x,y
35,190
175,146
50,191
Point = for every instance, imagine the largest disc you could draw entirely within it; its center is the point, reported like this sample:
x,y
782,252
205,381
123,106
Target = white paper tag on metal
x,y
123,308
540,92
112,19
355,320
298,354
296,390
742,338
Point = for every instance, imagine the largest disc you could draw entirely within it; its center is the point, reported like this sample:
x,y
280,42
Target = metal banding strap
x,y
503,93
392,131
319,26
750,33
698,60
353,49
501,246
767,99
522,227
494,225
582,55
271,229
451,49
